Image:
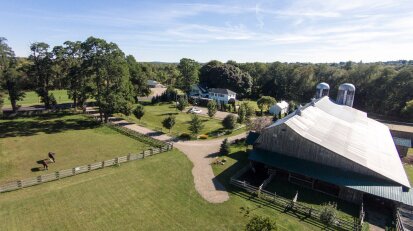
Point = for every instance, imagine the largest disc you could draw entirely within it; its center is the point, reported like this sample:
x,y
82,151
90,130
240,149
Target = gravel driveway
x,y
199,153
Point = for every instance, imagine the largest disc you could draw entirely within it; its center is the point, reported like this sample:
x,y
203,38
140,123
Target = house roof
x,y
221,91
356,181
349,133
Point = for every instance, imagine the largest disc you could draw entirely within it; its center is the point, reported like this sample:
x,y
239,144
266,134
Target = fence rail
x,y
297,207
19,184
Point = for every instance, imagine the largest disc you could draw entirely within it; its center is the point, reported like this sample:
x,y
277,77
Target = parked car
x,y
195,110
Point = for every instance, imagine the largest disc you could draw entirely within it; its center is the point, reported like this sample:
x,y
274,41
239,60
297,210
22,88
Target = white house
x,y
221,95
281,107
218,94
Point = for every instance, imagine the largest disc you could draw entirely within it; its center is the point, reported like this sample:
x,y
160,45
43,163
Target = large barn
x,y
335,149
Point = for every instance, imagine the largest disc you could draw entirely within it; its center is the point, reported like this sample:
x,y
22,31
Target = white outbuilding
x,y
280,107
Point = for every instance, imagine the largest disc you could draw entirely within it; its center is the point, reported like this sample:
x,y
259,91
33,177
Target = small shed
x,y
280,107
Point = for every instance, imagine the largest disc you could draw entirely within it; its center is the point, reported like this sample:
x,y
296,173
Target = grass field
x,y
153,194
238,158
155,114
32,98
75,139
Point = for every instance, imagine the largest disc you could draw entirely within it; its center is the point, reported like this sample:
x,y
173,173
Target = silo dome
x,y
323,85
322,90
347,87
346,93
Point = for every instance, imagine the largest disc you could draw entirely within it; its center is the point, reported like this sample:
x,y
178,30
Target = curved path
x,y
200,153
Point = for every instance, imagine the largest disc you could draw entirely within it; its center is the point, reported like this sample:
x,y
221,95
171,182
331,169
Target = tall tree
x,y
138,78
265,102
217,75
10,77
189,70
41,71
78,83
105,63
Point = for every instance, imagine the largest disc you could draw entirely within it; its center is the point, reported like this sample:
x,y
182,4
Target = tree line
x,y
100,70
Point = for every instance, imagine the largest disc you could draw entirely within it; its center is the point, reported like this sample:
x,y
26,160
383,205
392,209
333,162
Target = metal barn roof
x,y
349,133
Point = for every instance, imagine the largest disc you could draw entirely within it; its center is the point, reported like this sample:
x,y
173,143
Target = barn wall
x,y
282,139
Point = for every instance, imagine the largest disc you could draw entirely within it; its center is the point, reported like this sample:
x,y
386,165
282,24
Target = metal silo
x,y
345,94
322,90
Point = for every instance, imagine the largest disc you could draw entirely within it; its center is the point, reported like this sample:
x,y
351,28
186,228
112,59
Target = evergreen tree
x,y
182,103
139,111
225,147
195,125
242,114
169,122
212,108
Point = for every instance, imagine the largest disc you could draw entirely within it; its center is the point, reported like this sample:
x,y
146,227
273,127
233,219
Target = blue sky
x,y
244,31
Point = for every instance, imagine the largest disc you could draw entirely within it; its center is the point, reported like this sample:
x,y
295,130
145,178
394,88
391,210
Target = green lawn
x,y
155,114
75,139
153,194
238,159
32,98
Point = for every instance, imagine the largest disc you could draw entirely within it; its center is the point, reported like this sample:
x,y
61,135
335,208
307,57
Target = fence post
x,y
57,176
19,183
128,157
89,167
103,164
151,151
73,171
143,154
117,160
39,179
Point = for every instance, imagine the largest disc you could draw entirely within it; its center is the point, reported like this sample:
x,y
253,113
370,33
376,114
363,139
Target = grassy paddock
x,y
75,139
154,194
32,98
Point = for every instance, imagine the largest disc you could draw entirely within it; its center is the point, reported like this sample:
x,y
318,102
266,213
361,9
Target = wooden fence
x,y
19,184
297,207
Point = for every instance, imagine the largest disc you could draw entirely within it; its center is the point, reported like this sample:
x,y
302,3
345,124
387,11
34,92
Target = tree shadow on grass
x,y
35,125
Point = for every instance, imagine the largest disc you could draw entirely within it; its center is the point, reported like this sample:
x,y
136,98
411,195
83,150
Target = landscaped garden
x,y
155,114
76,140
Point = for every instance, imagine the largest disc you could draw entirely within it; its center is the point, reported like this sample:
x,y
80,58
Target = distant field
x,y
153,194
32,98
75,139
155,114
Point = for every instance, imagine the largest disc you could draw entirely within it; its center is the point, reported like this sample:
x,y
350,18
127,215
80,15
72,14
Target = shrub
x,y
258,223
229,121
203,137
328,213
185,136
139,111
182,103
